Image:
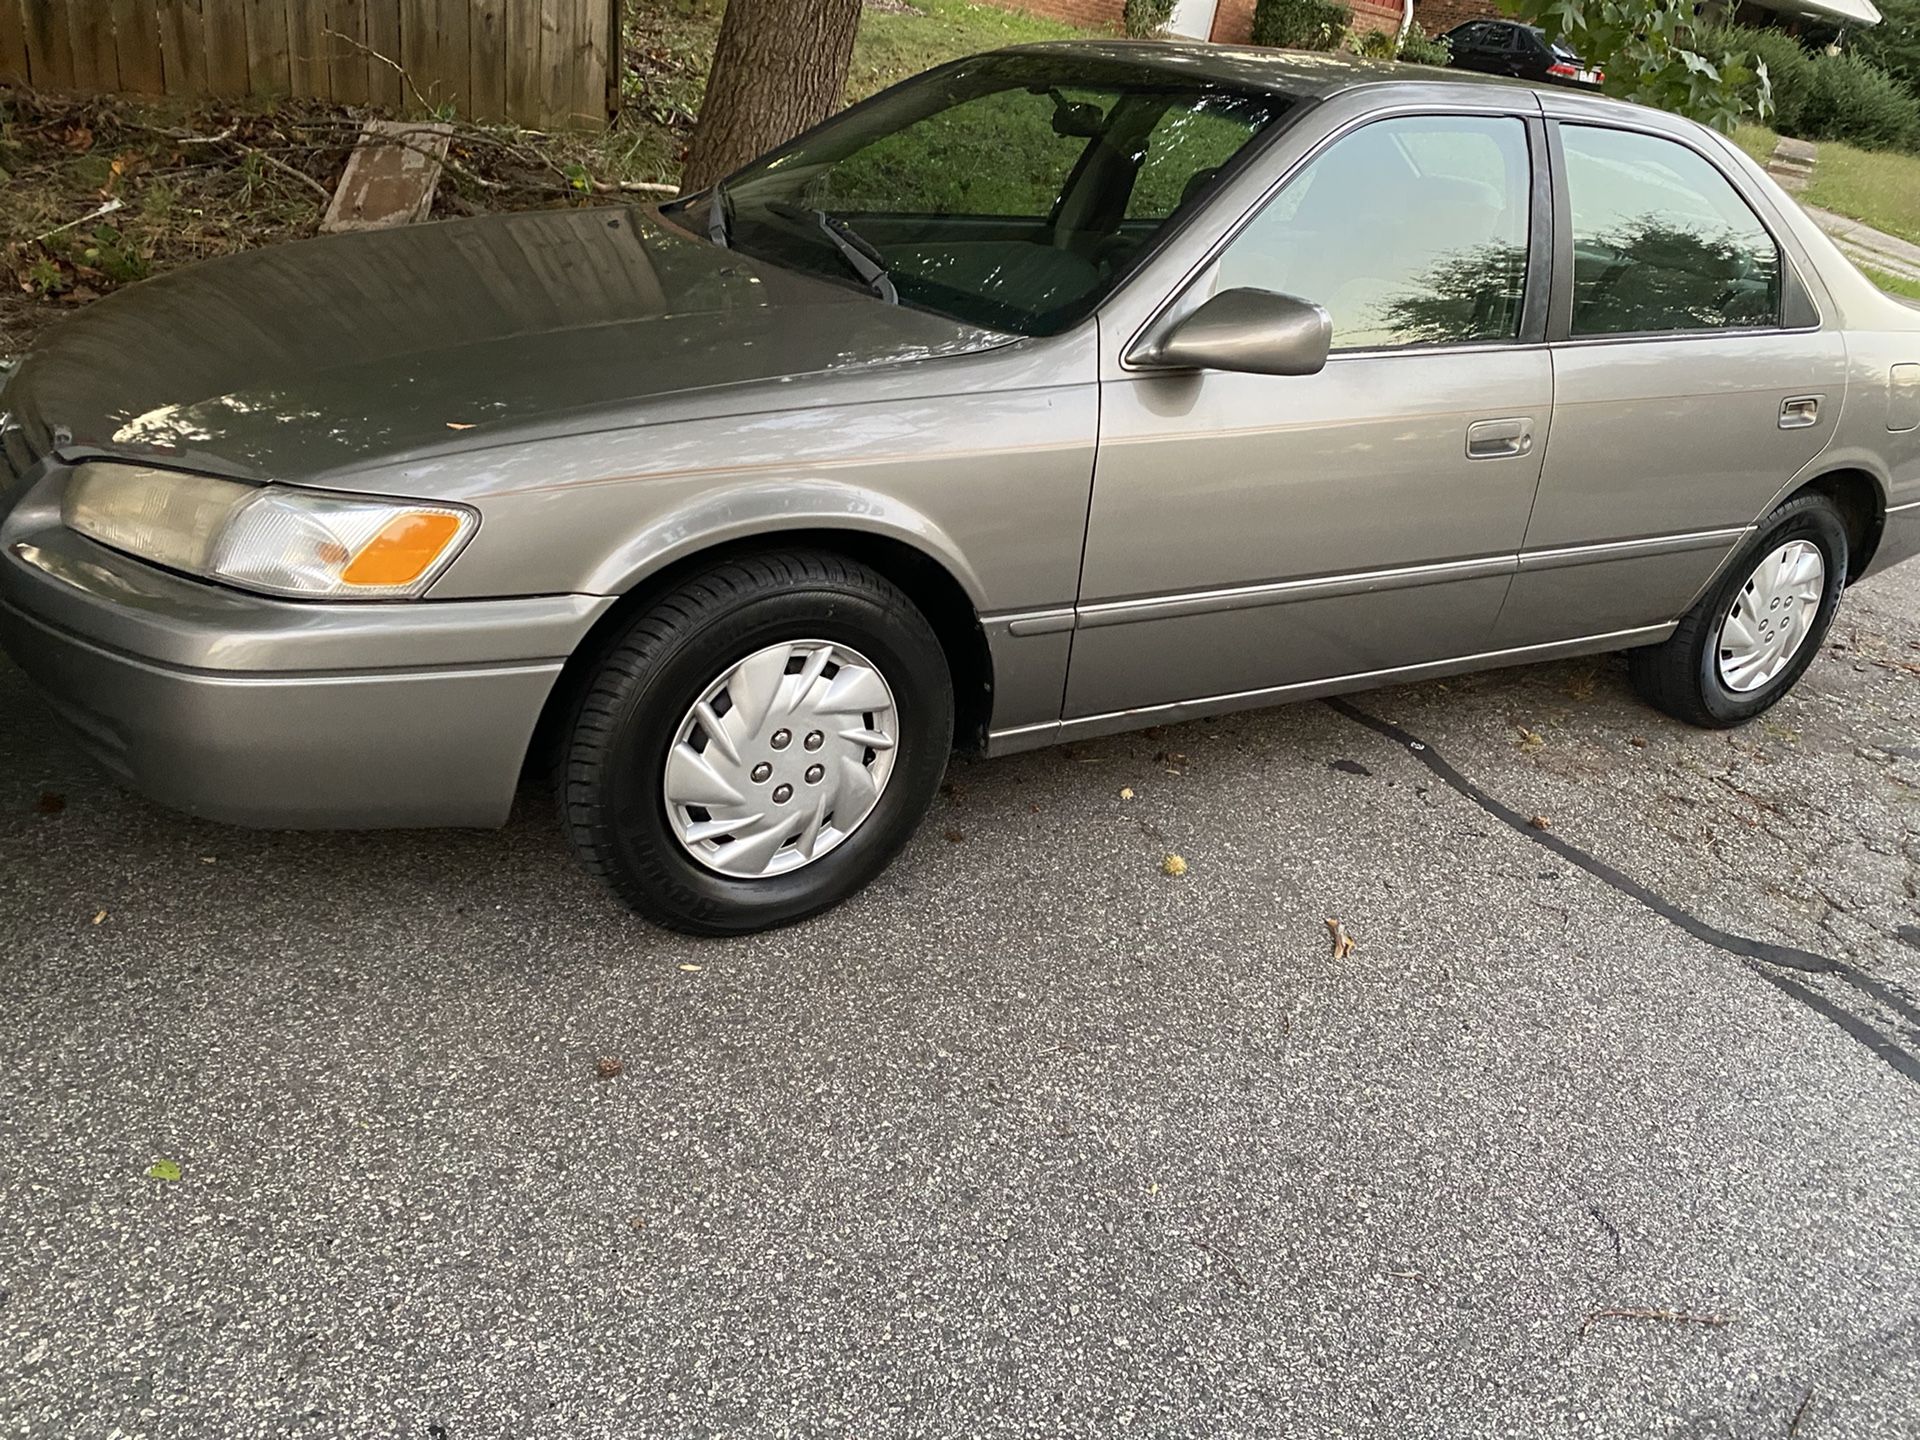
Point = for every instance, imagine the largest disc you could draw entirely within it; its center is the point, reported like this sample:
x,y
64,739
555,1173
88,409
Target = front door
x,y
1192,19
1251,532
1690,386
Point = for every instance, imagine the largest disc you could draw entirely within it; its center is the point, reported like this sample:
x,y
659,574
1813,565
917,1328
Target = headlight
x,y
266,537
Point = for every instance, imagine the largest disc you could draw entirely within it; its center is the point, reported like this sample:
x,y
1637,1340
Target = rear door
x,y
1692,380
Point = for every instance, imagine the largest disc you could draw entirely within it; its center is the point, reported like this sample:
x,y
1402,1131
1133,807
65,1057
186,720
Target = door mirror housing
x,y
1259,332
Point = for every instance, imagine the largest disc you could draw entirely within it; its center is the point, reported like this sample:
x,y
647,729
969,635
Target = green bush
x,y
1893,44
1300,24
1414,48
1420,49
1789,67
1651,55
1372,44
1144,19
1859,103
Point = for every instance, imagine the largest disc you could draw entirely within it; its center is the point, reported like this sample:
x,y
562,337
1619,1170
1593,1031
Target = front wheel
x,y
1754,633
759,744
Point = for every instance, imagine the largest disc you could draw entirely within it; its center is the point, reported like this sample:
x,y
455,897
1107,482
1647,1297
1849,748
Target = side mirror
x,y
1256,331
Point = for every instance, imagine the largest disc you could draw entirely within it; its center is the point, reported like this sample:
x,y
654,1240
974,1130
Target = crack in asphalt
x,y
1765,958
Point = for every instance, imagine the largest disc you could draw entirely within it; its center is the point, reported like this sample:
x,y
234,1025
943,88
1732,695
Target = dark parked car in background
x,y
1506,47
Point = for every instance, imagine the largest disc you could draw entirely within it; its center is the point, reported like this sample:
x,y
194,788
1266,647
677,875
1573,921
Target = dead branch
x,y
386,60
1226,1260
325,194
227,137
1793,1427
1670,1317
94,214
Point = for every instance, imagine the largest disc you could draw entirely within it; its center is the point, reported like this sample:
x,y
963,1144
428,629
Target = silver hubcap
x,y
1771,616
781,759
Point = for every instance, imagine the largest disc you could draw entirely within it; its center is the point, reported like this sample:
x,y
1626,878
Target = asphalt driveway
x,y
1606,1128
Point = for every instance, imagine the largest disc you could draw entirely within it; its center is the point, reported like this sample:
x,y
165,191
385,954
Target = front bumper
x,y
276,713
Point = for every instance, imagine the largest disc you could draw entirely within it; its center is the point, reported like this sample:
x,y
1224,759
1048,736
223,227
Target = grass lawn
x,y
1757,140
1893,284
1879,187
669,43
895,44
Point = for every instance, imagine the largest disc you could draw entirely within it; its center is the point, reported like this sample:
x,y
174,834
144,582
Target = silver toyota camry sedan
x,y
1058,391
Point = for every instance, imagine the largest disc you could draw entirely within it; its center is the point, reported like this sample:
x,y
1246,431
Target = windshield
x,y
1008,191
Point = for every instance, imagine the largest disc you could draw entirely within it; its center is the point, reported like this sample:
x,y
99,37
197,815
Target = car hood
x,y
302,361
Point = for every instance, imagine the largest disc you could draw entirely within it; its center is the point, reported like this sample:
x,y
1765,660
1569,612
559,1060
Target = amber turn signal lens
x,y
403,550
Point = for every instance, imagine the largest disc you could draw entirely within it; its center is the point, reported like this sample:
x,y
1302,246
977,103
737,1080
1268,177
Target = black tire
x,y
610,779
1682,675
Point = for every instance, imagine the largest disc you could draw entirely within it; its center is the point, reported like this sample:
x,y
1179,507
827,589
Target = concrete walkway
x,y
1865,245
1792,165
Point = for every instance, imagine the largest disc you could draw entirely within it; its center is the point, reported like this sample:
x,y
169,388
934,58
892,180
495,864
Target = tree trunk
x,y
780,66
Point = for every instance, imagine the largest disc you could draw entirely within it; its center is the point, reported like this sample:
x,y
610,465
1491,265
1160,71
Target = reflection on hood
x,y
297,360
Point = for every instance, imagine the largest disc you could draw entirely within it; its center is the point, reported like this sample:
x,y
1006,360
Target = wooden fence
x,y
543,63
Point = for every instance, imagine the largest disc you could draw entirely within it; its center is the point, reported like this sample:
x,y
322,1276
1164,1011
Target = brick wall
x,y
1088,14
1370,16
1436,17
1233,22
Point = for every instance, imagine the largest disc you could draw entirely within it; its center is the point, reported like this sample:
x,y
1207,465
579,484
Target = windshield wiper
x,y
861,257
717,223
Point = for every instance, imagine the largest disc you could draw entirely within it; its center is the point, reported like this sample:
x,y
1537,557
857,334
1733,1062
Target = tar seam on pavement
x,y
1763,951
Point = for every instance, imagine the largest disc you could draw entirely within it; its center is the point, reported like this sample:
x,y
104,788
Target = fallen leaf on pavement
x,y
98,917
954,837
693,969
1530,739
51,802
1126,792
456,425
1343,943
609,1067
1540,822
168,1170
1174,865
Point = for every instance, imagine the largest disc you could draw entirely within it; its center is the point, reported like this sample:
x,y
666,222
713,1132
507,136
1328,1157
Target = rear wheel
x,y
1755,632
759,744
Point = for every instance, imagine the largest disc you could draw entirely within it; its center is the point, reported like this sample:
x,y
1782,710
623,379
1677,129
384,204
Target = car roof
x,y
1300,73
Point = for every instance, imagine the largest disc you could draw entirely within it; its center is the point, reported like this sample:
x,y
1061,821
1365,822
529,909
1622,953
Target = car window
x,y
1409,231
1661,240
1187,148
998,155
1011,190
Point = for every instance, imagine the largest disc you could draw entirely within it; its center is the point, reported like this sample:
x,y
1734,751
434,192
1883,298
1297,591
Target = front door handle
x,y
1500,439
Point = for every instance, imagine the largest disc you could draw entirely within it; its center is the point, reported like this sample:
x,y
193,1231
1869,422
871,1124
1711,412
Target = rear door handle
x,y
1500,439
1799,412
